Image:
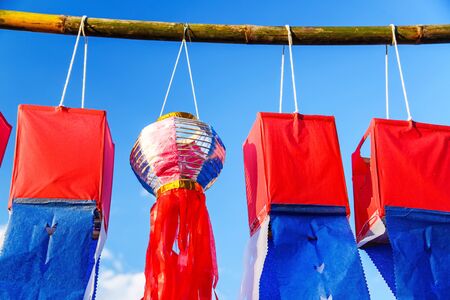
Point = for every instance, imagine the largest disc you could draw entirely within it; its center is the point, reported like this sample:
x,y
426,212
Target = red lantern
x,y
409,167
55,159
292,159
59,201
5,131
176,159
301,244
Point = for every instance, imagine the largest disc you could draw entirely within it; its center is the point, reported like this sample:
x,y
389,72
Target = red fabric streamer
x,y
181,256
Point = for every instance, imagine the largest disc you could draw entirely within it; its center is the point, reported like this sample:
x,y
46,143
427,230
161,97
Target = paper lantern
x,y
5,131
60,201
176,159
402,205
301,244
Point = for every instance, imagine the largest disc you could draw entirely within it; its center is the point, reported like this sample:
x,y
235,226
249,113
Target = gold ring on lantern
x,y
179,184
177,114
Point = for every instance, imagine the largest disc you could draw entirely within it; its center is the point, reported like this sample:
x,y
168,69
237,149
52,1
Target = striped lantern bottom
x,y
181,256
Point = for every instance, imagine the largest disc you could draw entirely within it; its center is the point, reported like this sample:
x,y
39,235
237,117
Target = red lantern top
x,y
292,159
409,167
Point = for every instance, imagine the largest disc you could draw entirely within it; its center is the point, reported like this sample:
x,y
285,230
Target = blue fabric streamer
x,y
420,241
312,255
268,283
97,271
48,251
381,256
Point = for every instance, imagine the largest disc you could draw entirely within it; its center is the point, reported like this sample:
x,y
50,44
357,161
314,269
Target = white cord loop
x,y
281,82
394,42
171,77
183,45
291,59
69,72
386,75
83,90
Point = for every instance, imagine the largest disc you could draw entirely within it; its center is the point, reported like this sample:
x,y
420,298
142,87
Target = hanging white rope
x,y
394,42
280,110
171,78
69,72
192,80
288,28
386,75
83,90
291,60
183,45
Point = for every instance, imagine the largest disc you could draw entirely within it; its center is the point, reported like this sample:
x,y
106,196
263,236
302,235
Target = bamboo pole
x,y
212,33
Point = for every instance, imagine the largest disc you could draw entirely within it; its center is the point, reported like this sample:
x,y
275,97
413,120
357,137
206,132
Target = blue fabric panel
x,y
213,165
308,209
144,184
36,265
268,283
210,170
381,256
420,241
213,144
214,140
312,255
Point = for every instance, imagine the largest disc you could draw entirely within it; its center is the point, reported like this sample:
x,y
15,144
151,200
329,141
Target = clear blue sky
x,y
129,78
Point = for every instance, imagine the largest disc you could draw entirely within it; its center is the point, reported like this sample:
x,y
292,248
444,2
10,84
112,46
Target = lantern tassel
x,y
181,257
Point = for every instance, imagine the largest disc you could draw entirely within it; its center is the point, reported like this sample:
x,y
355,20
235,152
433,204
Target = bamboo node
x,y
246,29
63,23
420,30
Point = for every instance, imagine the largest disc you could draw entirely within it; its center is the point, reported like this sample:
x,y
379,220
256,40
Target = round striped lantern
x,y
177,150
176,159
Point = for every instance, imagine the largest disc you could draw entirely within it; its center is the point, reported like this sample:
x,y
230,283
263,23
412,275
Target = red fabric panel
x,y
5,131
61,154
107,179
188,270
367,207
255,177
292,159
413,164
409,167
